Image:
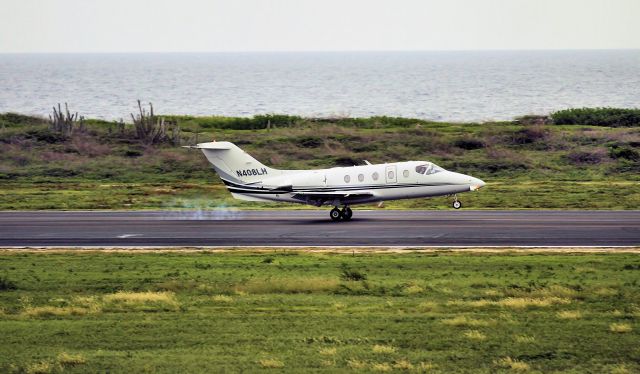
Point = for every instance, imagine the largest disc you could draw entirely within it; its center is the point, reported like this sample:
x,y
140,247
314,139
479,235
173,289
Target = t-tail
x,y
233,164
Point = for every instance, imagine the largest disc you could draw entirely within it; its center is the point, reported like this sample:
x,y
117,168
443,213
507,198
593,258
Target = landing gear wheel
x,y
335,214
457,205
347,213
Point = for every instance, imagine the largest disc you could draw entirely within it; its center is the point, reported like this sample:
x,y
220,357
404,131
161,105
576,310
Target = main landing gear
x,y
345,214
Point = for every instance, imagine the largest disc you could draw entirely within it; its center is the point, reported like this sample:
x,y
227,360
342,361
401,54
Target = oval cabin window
x,y
361,177
390,175
405,173
347,178
375,176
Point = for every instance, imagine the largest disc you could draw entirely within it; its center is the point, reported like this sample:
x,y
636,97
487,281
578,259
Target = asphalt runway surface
x,y
314,228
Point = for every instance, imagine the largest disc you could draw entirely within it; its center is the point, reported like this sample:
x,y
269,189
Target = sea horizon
x,y
447,85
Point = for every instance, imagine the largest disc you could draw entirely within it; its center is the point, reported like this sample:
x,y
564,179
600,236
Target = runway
x,y
313,228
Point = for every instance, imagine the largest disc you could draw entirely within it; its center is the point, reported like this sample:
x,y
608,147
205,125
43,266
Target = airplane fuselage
x,y
353,185
249,179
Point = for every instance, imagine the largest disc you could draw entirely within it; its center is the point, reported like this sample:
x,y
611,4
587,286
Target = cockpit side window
x,y
434,169
428,169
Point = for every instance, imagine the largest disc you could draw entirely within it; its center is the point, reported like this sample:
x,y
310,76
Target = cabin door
x,y
390,174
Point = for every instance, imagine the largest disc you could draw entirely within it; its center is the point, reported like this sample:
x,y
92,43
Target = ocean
x,y
443,86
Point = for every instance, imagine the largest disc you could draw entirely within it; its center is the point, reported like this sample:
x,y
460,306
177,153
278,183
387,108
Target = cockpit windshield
x,y
428,168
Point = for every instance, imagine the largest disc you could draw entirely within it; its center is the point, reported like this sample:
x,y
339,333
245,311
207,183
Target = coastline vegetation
x,y
572,159
445,312
611,117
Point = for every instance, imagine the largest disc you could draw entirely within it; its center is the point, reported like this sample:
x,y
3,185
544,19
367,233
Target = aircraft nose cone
x,y
477,184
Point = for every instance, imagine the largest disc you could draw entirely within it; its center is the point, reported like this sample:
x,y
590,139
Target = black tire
x,y
347,213
457,205
335,214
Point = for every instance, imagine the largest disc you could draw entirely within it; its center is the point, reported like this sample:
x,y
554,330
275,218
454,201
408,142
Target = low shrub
x,y
240,123
7,284
346,161
52,311
620,328
569,314
610,117
274,120
43,367
66,359
403,365
623,152
309,141
384,121
384,349
529,135
626,166
45,135
528,339
15,119
512,364
533,119
288,285
145,301
586,157
353,363
464,321
525,302
59,172
381,366
475,335
223,299
352,275
329,351
271,363
469,144
88,146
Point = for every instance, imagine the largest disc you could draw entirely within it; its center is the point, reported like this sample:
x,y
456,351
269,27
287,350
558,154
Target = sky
x,y
315,25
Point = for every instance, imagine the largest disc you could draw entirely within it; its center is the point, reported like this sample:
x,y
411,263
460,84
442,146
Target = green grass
x,y
526,164
297,312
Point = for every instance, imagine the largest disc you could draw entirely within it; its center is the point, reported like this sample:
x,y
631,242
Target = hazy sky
x,y
294,25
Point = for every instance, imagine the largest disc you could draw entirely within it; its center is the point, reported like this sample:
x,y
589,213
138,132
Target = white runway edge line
x,y
346,249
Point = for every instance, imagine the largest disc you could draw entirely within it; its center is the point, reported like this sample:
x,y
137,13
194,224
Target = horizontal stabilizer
x,y
210,145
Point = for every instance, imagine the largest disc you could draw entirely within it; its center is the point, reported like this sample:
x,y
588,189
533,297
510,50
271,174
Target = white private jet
x,y
248,179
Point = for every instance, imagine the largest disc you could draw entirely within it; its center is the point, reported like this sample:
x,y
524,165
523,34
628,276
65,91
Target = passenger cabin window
x,y
347,179
390,174
428,169
361,177
405,173
375,176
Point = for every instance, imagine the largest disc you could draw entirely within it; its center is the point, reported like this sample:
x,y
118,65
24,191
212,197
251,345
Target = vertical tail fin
x,y
233,164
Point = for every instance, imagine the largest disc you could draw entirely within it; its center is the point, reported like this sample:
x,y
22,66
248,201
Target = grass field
x,y
527,165
323,312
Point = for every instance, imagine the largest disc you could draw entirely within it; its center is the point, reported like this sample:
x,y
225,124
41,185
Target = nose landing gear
x,y
345,214
456,203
